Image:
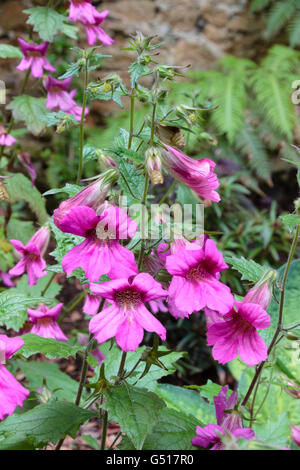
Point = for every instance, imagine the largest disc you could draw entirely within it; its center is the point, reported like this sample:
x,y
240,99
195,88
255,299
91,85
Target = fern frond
x,y
250,145
294,30
281,60
280,14
273,97
258,5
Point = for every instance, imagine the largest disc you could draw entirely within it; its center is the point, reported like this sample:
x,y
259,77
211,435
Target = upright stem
x,y
80,167
122,364
131,119
48,284
104,429
280,316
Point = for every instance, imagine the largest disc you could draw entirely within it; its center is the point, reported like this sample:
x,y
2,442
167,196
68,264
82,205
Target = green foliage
x,y
250,270
49,422
36,291
10,52
131,183
47,23
135,409
20,188
30,110
20,229
49,347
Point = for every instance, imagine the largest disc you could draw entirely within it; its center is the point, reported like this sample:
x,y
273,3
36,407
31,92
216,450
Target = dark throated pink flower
x,y
12,394
100,252
227,423
197,174
94,32
6,139
32,256
82,10
91,304
44,321
195,283
59,98
34,58
236,334
93,195
127,317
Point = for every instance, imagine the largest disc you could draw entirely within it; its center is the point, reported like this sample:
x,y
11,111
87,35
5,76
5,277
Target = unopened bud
x,y
106,87
261,293
60,127
153,162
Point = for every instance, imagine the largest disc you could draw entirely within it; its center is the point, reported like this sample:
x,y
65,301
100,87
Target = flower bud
x,y
153,162
261,293
41,239
106,87
105,161
296,434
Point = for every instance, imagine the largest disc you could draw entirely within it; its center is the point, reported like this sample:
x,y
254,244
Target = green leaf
x,y
91,441
186,401
275,431
72,70
13,307
135,409
209,390
30,110
53,119
128,153
51,348
136,71
20,188
89,153
57,381
131,183
10,52
20,230
70,189
250,270
47,22
173,432
290,221
36,291
45,423
280,13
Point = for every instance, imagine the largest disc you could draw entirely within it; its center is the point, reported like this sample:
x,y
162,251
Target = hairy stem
x,y
80,167
131,119
280,316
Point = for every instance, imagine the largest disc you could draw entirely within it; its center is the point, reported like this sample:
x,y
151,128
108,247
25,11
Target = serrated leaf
x,y
135,409
70,189
209,390
20,188
53,119
250,270
131,183
36,291
20,229
13,307
72,70
274,431
57,381
136,71
51,348
290,221
10,52
49,422
128,153
30,110
47,22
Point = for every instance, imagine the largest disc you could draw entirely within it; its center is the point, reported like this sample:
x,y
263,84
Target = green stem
x,y
167,193
104,429
48,285
122,364
131,119
69,309
280,316
80,167
115,440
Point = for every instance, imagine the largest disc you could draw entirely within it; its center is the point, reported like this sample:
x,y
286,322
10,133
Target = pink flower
x,y
34,58
197,174
93,195
59,98
195,283
6,139
12,394
82,10
6,279
100,252
157,306
91,304
296,434
127,317
227,423
32,253
94,31
236,334
261,293
44,321
25,159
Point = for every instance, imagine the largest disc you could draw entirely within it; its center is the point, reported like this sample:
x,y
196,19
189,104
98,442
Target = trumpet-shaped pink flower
x,y
296,434
6,279
158,306
227,423
82,10
197,174
236,334
94,32
44,321
195,283
59,98
127,317
6,139
12,394
100,252
32,256
34,58
93,195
